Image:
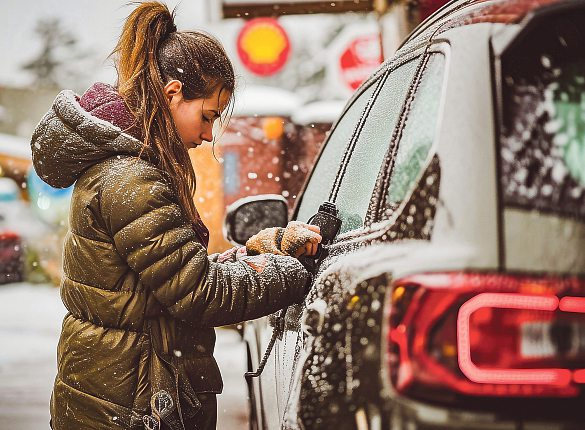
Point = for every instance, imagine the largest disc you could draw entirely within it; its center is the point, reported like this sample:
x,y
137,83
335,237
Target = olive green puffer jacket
x,y
141,292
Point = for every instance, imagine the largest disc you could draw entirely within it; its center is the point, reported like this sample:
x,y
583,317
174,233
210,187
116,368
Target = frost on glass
x,y
324,173
419,131
542,140
372,144
543,154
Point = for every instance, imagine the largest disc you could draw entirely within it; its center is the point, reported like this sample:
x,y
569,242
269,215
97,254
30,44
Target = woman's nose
x,y
207,133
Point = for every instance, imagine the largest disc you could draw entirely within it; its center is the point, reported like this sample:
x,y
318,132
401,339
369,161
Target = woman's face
x,y
194,119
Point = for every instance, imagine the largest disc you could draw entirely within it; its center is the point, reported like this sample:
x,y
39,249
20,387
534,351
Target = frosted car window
x,y
325,170
362,170
542,142
419,131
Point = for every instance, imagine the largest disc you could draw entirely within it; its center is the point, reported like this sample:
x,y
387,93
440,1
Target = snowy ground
x,y
30,321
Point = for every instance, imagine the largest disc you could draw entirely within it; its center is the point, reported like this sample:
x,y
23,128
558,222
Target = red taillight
x,y
488,335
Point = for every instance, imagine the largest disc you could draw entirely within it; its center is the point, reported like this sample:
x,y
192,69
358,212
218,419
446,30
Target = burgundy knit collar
x,y
103,101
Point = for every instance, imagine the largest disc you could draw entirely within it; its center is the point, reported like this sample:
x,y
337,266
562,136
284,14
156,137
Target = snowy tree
x,y
58,60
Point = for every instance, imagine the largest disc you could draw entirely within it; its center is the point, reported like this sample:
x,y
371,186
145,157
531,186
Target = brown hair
x,y
150,53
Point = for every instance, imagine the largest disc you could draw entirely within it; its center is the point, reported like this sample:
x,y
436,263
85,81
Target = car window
x,y
323,176
419,131
359,179
542,141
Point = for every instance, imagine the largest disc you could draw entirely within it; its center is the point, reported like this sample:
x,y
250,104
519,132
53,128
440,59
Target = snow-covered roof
x,y
263,100
15,146
326,111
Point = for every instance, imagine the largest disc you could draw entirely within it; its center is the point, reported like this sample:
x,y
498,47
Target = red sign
x,y
361,57
263,46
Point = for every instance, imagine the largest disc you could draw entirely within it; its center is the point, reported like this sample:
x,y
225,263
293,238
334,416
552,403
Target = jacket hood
x,y
69,140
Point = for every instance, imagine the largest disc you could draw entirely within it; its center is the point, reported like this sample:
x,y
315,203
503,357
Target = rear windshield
x,y
543,132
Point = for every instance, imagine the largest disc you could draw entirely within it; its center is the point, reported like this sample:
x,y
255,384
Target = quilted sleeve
x,y
152,235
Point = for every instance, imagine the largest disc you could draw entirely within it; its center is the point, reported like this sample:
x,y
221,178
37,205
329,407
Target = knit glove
x,y
297,239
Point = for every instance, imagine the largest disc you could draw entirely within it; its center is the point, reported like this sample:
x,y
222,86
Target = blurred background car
x,y
453,294
34,214
11,254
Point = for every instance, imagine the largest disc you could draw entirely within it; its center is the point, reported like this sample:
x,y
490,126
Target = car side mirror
x,y
246,217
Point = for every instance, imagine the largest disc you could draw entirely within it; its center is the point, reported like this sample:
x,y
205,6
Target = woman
x,y
142,294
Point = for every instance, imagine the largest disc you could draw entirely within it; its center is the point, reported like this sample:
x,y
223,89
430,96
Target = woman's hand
x,y
297,239
300,239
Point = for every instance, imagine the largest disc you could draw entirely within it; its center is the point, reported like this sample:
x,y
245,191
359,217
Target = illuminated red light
x,y
505,376
579,376
485,334
572,304
405,370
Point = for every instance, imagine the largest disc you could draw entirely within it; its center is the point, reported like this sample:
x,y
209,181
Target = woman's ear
x,y
172,88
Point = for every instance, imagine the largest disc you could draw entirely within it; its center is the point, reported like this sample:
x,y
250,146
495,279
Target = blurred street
x,y
30,322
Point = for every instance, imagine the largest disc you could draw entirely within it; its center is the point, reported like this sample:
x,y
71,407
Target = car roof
x,y
459,13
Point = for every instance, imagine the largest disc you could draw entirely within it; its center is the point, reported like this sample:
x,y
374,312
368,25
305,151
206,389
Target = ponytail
x,y
148,51
138,46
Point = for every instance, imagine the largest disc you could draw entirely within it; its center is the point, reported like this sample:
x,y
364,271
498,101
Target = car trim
x,y
496,79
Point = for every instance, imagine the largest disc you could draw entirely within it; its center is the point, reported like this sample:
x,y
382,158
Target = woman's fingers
x,y
310,249
300,252
314,237
314,228
314,248
312,243
306,237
